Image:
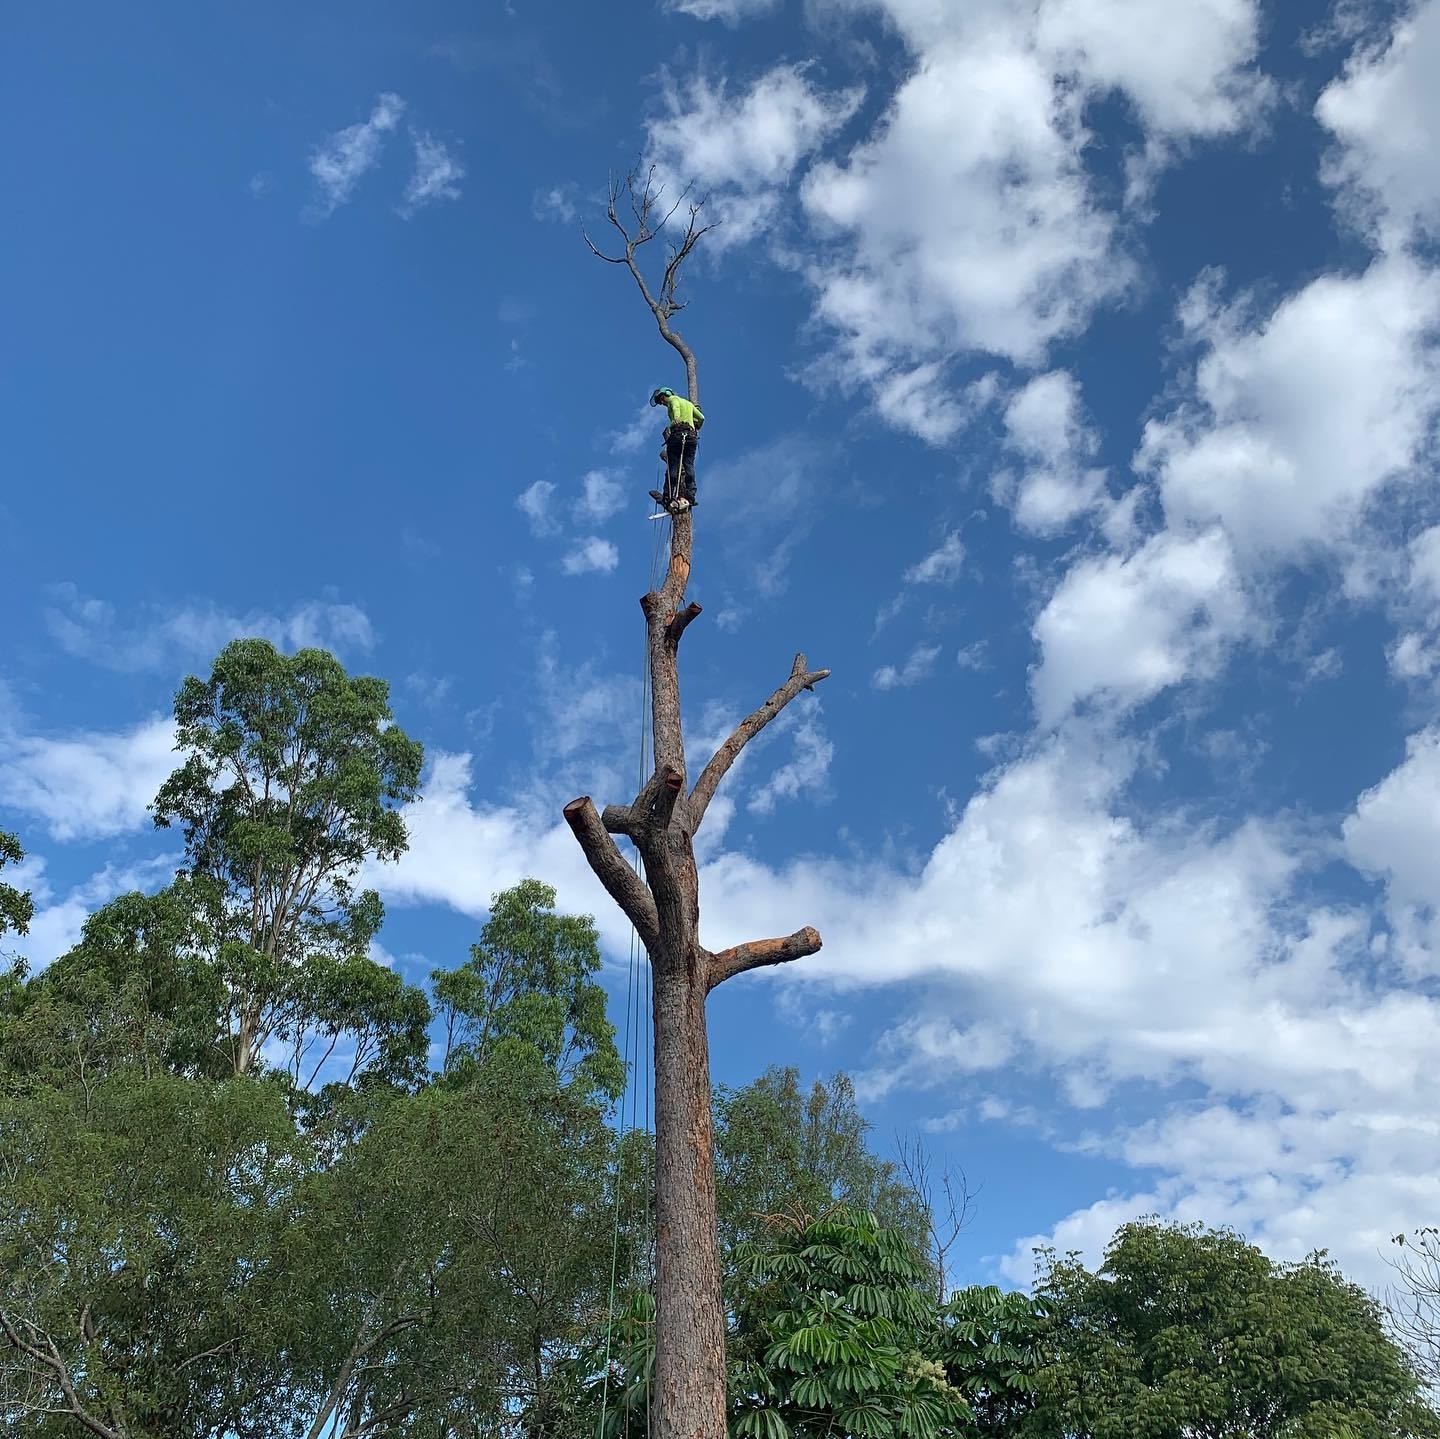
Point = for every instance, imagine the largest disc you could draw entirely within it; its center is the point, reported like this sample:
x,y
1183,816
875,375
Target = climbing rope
x,y
639,1047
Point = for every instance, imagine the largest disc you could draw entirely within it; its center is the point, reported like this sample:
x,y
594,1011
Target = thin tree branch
x,y
761,952
745,731
621,882
50,1358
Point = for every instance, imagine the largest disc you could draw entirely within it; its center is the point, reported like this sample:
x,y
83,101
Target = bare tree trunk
x,y
664,907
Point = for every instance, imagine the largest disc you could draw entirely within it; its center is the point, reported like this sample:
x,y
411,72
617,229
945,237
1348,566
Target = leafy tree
x,y
833,1333
17,909
1191,1331
992,1345
778,1149
139,1223
529,987
291,780
138,989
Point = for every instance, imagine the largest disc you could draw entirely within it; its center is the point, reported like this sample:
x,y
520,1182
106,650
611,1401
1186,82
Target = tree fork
x,y
662,820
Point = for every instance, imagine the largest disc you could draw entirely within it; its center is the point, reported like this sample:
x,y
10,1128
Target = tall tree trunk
x,y
689,1402
664,907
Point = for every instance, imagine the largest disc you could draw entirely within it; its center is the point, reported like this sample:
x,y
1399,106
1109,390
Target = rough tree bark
x,y
664,907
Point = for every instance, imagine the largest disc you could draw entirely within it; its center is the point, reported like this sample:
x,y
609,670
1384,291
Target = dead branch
x,y
710,777
946,1214
621,882
649,219
762,952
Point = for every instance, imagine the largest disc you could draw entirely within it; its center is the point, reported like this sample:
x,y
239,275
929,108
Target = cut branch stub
x,y
621,882
762,952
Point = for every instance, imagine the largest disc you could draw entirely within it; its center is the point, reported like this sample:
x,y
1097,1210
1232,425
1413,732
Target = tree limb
x,y
50,1358
618,819
681,621
621,882
745,731
761,952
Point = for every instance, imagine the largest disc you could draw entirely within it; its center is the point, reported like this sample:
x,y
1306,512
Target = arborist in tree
x,y
679,452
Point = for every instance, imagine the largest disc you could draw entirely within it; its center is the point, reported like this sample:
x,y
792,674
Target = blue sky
x,y
1071,381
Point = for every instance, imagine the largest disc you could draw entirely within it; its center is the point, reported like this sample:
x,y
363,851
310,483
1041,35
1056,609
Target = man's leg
x,y
689,468
674,462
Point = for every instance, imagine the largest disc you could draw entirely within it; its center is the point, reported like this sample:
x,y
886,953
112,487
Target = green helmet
x,y
661,395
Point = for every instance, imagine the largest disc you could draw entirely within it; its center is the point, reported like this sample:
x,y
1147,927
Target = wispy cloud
x,y
534,504
918,667
436,176
157,638
341,160
602,496
941,566
556,203
591,556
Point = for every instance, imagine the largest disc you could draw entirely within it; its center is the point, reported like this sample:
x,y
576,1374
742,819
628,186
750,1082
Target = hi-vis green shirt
x,y
682,412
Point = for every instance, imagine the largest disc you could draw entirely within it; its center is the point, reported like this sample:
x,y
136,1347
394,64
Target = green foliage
x,y
293,770
17,909
529,988
992,1345
778,1149
139,1227
834,1336
1187,1330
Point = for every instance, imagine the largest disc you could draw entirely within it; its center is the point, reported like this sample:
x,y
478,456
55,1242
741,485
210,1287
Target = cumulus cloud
x,y
1045,428
591,556
1385,113
743,149
602,496
1122,628
341,160
436,176
1299,420
555,203
87,785
159,639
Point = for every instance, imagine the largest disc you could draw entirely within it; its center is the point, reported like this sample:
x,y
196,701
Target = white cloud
x,y
1298,422
436,176
730,12
941,566
88,785
161,639
1002,249
807,772
919,666
629,438
1045,427
602,496
1385,111
1124,628
534,503
342,159
556,203
1395,833
742,150
1189,70
591,555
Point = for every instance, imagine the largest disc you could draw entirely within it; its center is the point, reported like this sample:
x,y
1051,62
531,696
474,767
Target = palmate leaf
x,y
762,1424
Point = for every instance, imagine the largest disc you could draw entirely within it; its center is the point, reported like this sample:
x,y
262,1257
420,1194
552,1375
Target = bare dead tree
x,y
664,907
1414,1304
948,1201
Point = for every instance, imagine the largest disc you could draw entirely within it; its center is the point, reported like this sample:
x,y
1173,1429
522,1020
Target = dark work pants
x,y
680,461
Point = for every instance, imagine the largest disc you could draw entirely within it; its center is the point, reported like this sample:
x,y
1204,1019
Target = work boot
x,y
657,497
